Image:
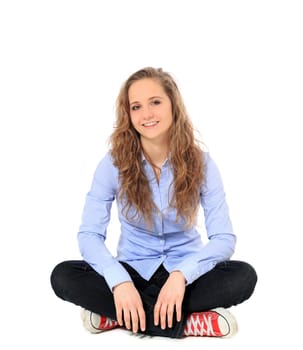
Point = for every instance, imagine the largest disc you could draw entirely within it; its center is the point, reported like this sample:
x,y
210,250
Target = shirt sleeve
x,y
221,239
95,219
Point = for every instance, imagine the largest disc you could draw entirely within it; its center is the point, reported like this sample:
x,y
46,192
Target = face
x,y
150,110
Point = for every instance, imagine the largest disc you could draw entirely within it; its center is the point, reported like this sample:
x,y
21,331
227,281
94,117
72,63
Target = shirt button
x,y
161,241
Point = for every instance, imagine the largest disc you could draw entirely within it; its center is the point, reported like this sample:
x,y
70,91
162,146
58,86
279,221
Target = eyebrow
x,y
150,98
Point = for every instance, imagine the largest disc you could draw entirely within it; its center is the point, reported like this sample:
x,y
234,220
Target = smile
x,y
148,124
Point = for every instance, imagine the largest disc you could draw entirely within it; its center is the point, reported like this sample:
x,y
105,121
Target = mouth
x,y
150,124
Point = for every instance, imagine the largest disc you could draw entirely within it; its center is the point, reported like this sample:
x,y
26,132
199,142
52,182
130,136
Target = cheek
x,y
170,119
134,121
169,114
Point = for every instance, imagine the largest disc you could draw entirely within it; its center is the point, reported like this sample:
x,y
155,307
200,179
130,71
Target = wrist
x,y
121,284
179,274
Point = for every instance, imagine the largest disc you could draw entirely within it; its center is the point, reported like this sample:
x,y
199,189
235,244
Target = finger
x,y
163,313
170,314
126,316
119,316
156,314
142,319
134,320
179,310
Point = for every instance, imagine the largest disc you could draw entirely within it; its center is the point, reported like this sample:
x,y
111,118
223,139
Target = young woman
x,y
164,280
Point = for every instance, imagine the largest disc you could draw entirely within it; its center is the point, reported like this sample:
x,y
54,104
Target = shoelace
x,y
107,323
200,326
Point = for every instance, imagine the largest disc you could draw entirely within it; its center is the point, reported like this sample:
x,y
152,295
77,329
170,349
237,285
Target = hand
x,y
170,297
129,306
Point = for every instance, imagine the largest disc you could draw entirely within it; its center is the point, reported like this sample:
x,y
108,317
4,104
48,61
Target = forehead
x,y
144,89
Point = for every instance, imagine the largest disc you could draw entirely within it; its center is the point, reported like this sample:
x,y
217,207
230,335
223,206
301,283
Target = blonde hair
x,y
186,156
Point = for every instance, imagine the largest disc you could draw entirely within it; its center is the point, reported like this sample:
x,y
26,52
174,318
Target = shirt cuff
x,y
192,270
115,274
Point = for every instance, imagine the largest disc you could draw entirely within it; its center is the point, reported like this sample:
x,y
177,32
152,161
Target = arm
x,y
95,218
91,238
222,240
219,248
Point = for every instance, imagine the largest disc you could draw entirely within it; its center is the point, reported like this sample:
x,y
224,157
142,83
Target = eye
x,y
135,107
156,102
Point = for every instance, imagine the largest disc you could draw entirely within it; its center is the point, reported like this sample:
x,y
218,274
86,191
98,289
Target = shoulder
x,y
106,161
106,169
211,172
208,160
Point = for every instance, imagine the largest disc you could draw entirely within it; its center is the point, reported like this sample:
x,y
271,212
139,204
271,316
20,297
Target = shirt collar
x,y
144,160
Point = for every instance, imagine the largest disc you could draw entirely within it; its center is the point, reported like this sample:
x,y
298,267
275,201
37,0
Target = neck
x,y
156,152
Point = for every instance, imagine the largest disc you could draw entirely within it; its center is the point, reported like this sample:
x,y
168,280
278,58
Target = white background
x,y
239,67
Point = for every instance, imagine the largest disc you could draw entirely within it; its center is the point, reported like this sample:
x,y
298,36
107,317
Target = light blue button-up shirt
x,y
166,242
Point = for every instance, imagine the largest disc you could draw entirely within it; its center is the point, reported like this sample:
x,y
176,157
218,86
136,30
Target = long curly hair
x,y
186,156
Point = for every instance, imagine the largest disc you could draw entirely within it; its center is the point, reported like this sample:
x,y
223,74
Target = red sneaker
x,y
214,323
95,323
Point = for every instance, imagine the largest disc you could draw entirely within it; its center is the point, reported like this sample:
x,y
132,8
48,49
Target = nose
x,y
147,113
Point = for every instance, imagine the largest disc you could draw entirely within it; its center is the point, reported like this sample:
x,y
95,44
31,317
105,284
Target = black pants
x,y
228,283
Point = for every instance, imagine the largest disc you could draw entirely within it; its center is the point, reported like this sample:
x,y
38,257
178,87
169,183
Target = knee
x,y
248,279
58,278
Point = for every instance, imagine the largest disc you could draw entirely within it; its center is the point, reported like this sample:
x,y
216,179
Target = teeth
x,y
150,123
